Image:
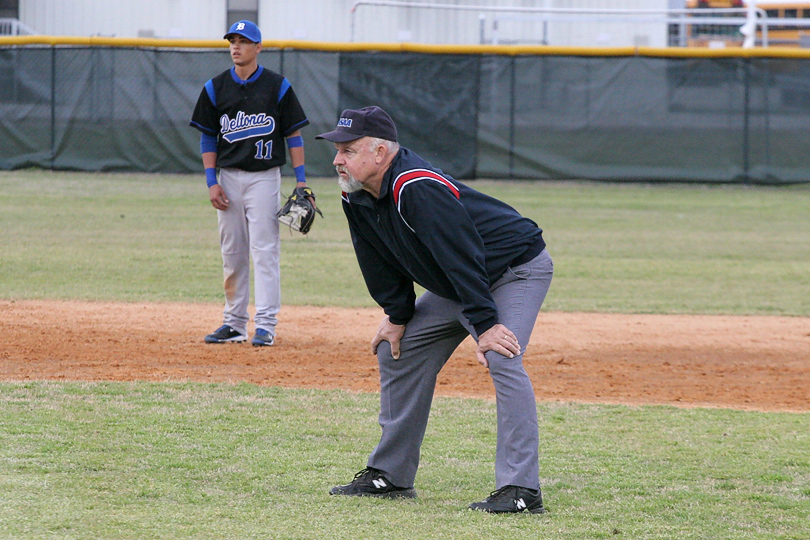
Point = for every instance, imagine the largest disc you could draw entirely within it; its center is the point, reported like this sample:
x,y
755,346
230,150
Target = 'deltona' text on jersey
x,y
245,126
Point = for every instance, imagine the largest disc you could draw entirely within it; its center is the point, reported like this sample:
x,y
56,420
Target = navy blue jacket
x,y
429,228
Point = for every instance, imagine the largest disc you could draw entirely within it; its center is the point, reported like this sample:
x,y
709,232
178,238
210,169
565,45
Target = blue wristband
x,y
211,176
300,174
295,142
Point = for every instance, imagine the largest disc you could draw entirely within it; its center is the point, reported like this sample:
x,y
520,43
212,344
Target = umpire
x,y
486,273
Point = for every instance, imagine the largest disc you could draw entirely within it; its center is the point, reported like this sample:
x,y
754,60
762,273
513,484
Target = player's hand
x,y
392,333
310,199
218,198
499,339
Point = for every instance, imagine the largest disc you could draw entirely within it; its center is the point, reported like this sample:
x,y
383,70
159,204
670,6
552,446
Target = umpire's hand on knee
x,y
499,339
390,332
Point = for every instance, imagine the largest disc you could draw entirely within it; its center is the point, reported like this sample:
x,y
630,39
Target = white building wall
x,y
603,30
307,20
186,19
332,21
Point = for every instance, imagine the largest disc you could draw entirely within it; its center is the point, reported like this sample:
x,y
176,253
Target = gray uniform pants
x,y
407,384
249,229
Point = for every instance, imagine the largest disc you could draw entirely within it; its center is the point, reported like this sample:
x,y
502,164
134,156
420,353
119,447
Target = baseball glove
x,y
298,213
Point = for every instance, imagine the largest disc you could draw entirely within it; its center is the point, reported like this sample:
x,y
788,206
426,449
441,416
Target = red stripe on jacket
x,y
421,174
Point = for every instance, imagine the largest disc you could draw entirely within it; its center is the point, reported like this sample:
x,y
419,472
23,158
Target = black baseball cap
x,y
366,122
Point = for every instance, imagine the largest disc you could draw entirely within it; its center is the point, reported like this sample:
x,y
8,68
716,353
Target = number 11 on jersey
x,y
263,151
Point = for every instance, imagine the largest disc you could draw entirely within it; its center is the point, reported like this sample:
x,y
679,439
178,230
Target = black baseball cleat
x,y
371,483
225,334
512,500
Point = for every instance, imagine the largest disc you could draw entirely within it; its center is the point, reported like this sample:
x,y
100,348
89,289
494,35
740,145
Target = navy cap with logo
x,y
365,122
245,29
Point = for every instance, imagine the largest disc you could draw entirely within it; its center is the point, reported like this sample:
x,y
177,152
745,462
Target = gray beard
x,y
349,185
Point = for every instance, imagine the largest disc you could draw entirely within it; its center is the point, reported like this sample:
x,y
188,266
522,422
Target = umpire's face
x,y
243,51
359,165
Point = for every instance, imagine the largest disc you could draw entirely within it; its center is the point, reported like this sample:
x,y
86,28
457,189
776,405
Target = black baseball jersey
x,y
249,118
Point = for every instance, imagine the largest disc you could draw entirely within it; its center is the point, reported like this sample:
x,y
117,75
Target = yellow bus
x,y
714,4
778,13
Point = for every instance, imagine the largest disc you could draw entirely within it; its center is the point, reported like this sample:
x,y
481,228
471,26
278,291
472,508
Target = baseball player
x,y
244,115
486,273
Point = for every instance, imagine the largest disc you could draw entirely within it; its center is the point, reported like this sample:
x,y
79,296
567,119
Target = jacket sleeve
x,y
443,225
388,286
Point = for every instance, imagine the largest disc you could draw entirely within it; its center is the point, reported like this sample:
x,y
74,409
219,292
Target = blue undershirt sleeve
x,y
208,143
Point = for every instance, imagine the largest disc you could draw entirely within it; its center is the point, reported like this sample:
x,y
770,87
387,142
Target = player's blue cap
x,y
246,29
365,122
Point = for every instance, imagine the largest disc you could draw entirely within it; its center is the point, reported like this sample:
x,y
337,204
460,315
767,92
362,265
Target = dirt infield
x,y
760,363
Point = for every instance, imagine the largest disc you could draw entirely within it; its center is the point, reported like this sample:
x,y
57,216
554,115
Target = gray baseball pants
x,y
249,229
407,384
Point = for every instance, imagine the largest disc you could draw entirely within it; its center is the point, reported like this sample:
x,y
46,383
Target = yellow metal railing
x,y
504,50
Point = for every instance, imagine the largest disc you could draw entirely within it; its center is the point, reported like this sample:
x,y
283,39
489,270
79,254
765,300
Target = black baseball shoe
x,y
225,334
512,500
371,483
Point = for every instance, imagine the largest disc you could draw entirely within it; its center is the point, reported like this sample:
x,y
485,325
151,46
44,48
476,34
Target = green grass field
x,y
200,461
616,248
176,461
